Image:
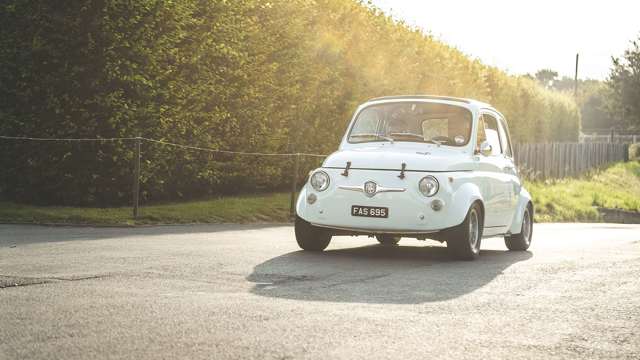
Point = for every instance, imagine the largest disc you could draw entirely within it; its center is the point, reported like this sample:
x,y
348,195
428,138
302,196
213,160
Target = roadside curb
x,y
3,222
619,216
133,226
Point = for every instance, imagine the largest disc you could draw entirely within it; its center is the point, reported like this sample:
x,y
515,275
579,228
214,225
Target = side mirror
x,y
485,149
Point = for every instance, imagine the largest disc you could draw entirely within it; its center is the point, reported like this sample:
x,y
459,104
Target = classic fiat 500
x,y
425,167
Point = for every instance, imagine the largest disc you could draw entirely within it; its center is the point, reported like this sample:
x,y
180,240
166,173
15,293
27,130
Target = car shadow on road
x,y
378,274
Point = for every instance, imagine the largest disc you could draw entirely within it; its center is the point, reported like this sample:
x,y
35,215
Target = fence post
x,y
587,157
590,155
533,158
294,185
553,173
561,160
551,148
582,158
610,153
576,159
553,169
546,159
136,177
571,158
540,156
569,155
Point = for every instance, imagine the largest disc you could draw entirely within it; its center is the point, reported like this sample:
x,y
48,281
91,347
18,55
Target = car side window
x,y
504,138
492,133
481,135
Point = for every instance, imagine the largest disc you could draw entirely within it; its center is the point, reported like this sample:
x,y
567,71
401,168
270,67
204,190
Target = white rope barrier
x,y
190,147
67,139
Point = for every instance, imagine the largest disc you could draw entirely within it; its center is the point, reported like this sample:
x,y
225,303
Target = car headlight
x,y
320,181
428,185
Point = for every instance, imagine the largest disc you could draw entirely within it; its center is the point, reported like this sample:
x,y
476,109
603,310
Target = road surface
x,y
231,291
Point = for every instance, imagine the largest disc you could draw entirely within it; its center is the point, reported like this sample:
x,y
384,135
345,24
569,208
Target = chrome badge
x,y
370,188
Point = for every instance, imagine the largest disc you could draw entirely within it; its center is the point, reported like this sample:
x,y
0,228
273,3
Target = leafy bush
x,y
253,75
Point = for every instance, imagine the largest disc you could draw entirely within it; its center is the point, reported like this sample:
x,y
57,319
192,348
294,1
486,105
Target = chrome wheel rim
x,y
473,229
526,227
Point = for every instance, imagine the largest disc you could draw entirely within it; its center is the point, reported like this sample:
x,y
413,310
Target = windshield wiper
x,y
378,136
408,134
435,142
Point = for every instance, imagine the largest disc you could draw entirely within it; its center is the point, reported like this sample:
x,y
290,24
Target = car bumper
x,y
409,212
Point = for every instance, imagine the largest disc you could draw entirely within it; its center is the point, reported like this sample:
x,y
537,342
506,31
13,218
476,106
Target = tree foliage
x,y
546,77
624,83
246,75
593,99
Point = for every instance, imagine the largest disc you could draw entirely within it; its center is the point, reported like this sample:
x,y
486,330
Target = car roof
x,y
474,103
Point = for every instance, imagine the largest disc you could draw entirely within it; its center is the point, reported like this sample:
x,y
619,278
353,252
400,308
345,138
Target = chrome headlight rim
x,y
322,187
435,182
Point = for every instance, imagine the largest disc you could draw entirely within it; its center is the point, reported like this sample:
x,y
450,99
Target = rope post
x,y
294,185
136,177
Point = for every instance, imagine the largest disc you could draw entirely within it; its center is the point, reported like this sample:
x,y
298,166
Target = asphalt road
x,y
227,291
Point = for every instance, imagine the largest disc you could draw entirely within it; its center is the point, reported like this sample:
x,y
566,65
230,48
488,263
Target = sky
x,y
523,36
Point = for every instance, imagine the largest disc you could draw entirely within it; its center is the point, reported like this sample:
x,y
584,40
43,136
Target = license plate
x,y
369,211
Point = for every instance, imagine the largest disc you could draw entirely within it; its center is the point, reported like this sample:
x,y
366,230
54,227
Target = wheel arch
x,y
524,201
301,206
482,211
462,200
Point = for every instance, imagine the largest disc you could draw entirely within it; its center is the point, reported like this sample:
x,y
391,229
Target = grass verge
x,y
618,186
240,209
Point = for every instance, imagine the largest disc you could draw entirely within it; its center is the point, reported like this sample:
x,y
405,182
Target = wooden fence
x,y
610,138
560,160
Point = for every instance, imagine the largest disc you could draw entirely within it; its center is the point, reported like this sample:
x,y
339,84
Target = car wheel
x,y
388,240
309,237
464,241
521,242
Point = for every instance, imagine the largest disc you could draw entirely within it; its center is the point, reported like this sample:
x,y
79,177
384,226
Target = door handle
x,y
508,169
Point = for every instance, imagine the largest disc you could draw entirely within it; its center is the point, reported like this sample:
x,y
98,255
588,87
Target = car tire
x,y
309,237
522,241
464,240
388,240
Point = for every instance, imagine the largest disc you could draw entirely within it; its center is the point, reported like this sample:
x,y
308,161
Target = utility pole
x,y
575,79
575,93
136,177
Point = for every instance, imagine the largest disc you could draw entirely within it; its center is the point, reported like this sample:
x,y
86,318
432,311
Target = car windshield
x,y
425,122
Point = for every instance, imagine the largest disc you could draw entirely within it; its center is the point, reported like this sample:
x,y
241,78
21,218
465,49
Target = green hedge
x,y
250,75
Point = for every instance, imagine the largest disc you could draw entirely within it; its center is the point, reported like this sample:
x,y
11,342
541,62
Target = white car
x,y
423,167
